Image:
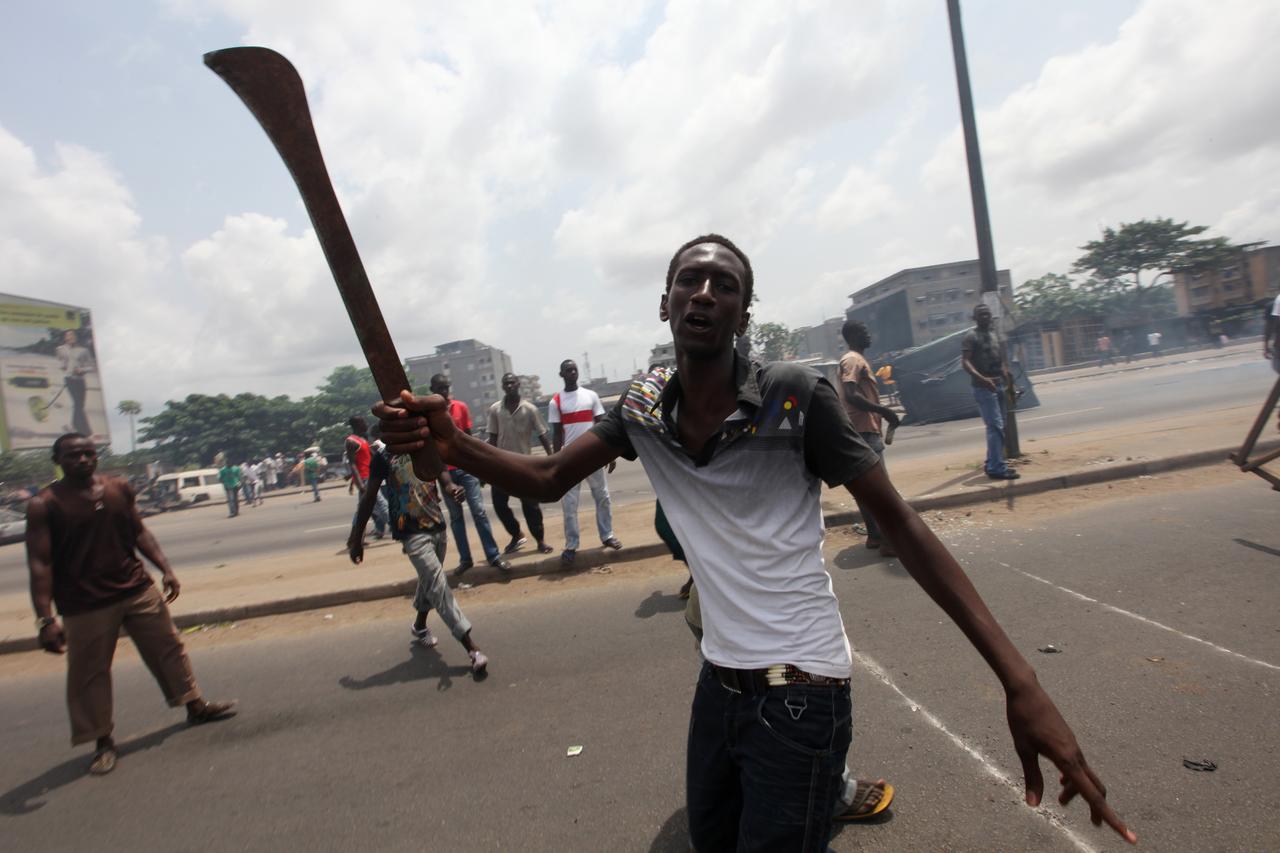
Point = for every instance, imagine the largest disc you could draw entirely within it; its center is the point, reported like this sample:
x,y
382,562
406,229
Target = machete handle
x,y
270,87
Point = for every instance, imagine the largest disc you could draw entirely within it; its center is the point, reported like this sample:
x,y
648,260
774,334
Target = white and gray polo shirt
x,y
746,509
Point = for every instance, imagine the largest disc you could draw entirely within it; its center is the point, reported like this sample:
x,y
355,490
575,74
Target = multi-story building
x,y
915,306
530,387
823,341
475,370
663,355
1251,281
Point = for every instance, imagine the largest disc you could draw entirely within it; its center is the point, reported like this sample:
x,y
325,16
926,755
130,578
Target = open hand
x,y
1039,729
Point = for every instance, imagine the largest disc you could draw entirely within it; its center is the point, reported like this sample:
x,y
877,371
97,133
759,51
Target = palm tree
x,y
132,408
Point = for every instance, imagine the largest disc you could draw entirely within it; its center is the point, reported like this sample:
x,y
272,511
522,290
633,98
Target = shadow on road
x,y
29,796
860,557
657,602
422,664
673,837
1255,546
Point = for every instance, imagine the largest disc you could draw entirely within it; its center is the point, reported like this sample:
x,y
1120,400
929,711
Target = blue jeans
x,y
458,521
604,509
876,443
992,405
764,769
381,512
233,501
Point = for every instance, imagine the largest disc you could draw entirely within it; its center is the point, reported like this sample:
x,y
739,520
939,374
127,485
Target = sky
x,y
520,172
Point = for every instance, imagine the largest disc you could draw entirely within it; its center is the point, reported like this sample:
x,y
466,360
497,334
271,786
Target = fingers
x,y
1031,773
1081,779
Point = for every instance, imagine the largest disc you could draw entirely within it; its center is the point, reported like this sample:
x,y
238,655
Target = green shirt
x,y
230,476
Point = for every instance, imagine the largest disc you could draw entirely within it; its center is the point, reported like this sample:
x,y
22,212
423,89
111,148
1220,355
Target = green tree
x,y
773,341
26,467
192,431
1054,297
1149,244
346,391
132,408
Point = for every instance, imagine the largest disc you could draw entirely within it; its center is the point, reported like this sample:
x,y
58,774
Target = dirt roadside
x,y
666,572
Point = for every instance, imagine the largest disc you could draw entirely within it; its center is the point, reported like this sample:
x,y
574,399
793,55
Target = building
x,y
663,355
1255,280
475,369
823,341
915,306
530,387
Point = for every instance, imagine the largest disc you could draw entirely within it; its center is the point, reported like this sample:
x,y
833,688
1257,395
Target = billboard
x,y
49,380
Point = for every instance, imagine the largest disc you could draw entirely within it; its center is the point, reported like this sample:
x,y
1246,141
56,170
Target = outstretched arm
x,y
412,421
1034,721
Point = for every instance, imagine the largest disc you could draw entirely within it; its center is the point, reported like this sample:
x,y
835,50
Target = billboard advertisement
x,y
49,380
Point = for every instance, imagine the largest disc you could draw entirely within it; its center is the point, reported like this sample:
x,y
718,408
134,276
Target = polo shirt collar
x,y
744,377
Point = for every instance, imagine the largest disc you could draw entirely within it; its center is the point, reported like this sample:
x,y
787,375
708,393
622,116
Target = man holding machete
x,y
736,454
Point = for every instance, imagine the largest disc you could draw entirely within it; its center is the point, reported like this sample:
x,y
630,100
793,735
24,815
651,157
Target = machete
x,y
272,90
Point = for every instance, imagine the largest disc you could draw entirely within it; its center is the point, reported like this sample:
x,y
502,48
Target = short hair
x,y
981,306
748,281
439,379
358,424
512,375
567,361
63,439
855,331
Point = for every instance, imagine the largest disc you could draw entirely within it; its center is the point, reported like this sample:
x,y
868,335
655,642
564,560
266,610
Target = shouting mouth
x,y
698,322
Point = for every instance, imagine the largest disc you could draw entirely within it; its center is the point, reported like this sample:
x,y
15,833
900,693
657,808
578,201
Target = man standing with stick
x,y
83,535
736,454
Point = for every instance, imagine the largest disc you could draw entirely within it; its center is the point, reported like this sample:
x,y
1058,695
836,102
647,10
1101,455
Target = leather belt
x,y
778,675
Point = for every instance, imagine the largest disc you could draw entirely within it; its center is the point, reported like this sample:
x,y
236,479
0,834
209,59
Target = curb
x,y
593,558
1046,376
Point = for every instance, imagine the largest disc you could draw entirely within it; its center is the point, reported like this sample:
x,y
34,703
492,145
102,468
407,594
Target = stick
x,y
270,87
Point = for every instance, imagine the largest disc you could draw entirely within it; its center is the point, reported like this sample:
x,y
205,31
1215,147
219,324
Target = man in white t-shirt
x,y
1271,335
572,413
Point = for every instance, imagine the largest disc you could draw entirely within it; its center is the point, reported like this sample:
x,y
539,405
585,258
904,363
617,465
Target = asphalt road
x,y
1163,606
197,540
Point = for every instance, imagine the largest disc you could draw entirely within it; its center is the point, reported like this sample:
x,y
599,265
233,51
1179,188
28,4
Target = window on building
x,y
953,295
937,319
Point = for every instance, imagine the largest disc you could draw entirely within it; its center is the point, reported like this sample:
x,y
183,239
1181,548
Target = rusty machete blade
x,y
270,87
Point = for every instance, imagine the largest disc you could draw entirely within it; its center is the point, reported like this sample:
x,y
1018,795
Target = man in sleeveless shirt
x,y
83,538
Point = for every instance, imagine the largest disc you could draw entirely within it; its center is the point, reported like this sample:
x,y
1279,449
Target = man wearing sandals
x,y
737,453
83,535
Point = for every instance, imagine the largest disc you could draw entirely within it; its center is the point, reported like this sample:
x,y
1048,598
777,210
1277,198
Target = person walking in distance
x,y
417,523
860,394
981,358
84,533
229,476
572,413
1104,351
311,474
737,453
358,458
466,488
512,424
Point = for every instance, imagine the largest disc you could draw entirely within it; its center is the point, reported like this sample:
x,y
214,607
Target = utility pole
x,y
981,218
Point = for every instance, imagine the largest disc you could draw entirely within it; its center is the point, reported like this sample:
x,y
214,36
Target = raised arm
x,y
1035,723
40,566
412,421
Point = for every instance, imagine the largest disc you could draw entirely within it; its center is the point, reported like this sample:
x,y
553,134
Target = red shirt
x,y
461,419
361,456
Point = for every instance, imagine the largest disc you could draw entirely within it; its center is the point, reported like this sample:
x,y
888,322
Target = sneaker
x,y
567,556
462,568
478,662
517,542
612,542
500,564
423,636
1007,474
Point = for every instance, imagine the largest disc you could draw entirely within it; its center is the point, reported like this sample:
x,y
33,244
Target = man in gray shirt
x,y
512,424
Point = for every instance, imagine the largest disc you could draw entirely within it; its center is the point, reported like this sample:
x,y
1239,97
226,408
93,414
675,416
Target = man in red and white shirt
x,y
572,413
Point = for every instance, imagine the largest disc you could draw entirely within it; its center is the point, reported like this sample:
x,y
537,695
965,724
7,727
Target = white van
x,y
188,487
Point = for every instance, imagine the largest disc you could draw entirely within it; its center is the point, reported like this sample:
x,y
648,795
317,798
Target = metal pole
x,y
981,219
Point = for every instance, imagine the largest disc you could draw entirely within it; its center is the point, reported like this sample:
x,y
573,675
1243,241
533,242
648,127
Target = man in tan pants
x,y
83,535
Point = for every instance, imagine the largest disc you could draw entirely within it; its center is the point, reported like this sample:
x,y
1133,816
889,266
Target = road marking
x,y
1023,420
330,527
1055,820
1144,619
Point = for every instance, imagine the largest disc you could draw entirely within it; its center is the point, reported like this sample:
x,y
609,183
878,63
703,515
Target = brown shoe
x,y
210,711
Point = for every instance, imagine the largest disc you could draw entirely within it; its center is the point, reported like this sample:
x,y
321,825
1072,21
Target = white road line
x,y
1023,420
1144,619
1054,820
330,527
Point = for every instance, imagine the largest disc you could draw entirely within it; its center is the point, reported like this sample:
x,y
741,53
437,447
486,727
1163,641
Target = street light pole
x,y
981,218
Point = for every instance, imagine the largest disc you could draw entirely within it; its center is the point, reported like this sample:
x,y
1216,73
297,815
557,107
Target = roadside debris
x,y
606,569
1156,659
1050,650
1202,766
573,750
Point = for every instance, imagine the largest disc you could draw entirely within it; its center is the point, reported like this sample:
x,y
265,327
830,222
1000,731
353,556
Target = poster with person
x,y
49,379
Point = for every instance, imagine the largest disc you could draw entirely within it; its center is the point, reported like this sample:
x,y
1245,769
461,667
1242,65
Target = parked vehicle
x,y
13,526
183,488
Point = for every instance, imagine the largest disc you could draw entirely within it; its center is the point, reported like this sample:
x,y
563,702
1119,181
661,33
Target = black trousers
x,y
532,515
